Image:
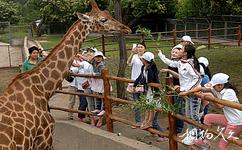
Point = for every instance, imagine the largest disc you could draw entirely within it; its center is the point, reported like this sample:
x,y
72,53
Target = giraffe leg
x,y
44,140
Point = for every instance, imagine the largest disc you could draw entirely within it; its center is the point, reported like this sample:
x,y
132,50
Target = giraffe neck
x,y
47,76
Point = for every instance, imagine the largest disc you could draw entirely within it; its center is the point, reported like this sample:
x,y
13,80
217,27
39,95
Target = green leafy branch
x,y
147,33
160,102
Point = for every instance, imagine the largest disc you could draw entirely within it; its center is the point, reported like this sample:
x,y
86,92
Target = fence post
x,y
209,36
174,37
103,44
239,35
107,102
172,122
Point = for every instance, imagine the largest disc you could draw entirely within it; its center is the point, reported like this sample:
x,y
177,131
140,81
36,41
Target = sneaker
x,y
138,124
101,113
188,140
161,139
145,126
81,120
96,111
70,118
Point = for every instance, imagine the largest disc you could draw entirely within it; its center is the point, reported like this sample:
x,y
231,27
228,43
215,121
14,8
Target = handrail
x,y
173,138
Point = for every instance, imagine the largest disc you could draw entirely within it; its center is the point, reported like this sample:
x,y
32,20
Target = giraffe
x,y
25,122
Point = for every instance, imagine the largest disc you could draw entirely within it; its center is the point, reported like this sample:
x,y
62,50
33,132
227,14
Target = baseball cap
x,y
98,53
187,39
219,78
203,60
178,46
148,56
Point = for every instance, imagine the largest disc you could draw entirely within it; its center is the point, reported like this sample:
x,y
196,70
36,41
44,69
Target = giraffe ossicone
x,y
25,122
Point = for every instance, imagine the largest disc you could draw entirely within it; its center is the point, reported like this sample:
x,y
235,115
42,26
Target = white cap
x,y
203,60
98,53
187,39
148,56
219,78
178,46
94,49
74,69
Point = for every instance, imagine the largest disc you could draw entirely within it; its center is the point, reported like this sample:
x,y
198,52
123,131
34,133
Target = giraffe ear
x,y
83,17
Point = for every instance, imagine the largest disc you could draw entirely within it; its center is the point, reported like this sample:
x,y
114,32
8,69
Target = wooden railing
x,y
110,117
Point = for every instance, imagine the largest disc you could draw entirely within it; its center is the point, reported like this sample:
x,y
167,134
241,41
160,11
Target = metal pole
x,y
239,35
103,44
9,57
209,36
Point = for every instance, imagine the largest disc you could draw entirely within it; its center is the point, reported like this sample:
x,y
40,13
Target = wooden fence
x,y
110,117
208,36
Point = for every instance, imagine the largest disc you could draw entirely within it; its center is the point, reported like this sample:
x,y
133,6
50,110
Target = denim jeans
x,y
192,111
180,103
155,123
205,111
137,112
90,100
98,103
82,104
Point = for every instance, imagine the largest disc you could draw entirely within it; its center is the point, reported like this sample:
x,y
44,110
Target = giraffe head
x,y
102,21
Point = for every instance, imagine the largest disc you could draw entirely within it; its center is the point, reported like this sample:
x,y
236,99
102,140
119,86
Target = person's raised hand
x,y
164,70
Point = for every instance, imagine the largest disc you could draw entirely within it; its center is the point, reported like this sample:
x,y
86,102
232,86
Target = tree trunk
x,y
122,52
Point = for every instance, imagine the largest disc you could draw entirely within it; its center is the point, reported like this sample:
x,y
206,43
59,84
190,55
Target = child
x,y
97,84
176,55
149,73
206,76
220,87
188,79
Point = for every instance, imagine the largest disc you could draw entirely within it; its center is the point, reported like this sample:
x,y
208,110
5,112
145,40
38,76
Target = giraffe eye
x,y
104,20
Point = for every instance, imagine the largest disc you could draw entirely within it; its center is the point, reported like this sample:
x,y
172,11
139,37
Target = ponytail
x,y
230,86
190,49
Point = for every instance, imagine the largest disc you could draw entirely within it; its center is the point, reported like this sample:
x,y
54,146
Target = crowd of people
x,y
88,61
190,74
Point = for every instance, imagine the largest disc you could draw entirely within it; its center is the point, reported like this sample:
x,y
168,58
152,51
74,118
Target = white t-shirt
x,y
188,75
136,64
74,70
233,115
85,68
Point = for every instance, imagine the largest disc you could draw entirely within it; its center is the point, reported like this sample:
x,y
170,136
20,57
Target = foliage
x,y
146,32
160,102
141,8
9,11
205,8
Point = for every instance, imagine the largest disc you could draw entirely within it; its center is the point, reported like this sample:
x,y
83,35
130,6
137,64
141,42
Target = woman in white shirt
x,y
220,87
135,62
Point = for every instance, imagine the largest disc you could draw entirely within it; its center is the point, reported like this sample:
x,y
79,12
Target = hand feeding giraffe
x,y
25,122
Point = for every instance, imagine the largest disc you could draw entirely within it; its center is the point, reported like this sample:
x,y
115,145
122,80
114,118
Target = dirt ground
x,y
123,111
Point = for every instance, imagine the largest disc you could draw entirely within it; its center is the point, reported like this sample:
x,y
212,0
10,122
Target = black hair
x,y
230,86
153,67
191,50
31,49
206,70
142,43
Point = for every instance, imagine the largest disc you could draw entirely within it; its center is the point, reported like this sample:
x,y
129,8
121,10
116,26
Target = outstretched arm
x,y
167,61
194,90
173,73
